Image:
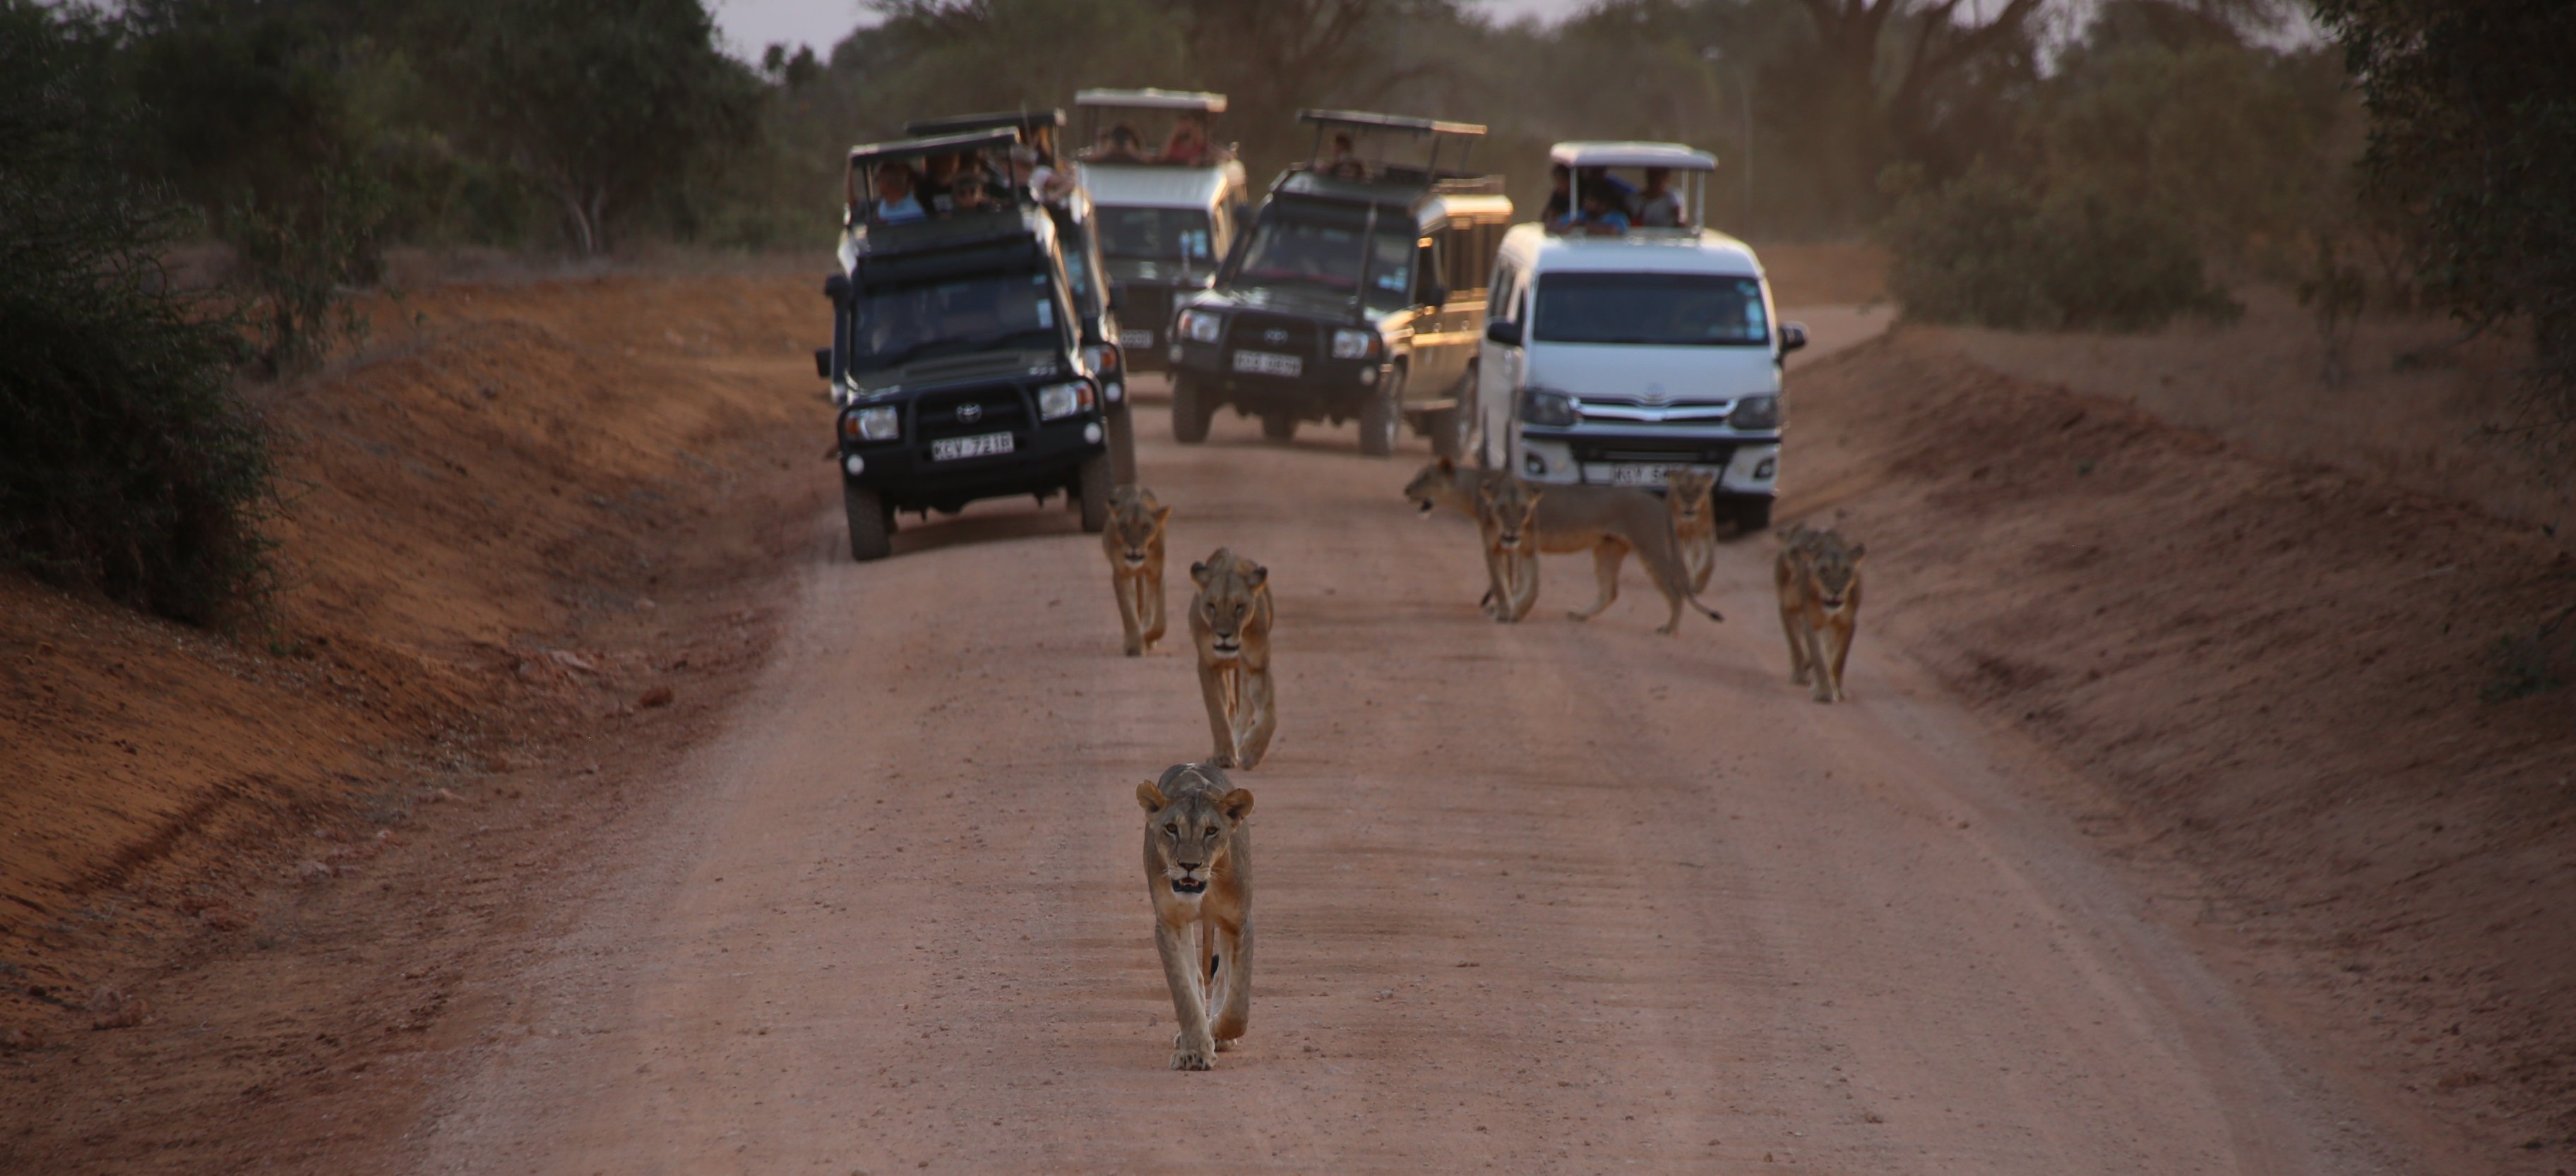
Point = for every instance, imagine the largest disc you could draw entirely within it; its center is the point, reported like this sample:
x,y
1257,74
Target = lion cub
x,y
1198,870
1134,542
1818,578
1506,511
1230,623
1687,495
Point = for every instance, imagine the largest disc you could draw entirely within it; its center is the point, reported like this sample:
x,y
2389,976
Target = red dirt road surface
x,y
1549,897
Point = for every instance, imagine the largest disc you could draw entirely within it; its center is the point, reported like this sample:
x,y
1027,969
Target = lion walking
x,y
1133,541
1817,576
1230,623
1198,871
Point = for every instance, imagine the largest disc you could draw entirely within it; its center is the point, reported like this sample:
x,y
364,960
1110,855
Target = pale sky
x,y
751,25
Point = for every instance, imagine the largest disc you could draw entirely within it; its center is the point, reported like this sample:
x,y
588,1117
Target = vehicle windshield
x,y
1665,310
894,325
1325,256
1157,234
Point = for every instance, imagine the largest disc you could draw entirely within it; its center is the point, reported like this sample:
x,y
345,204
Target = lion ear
x,y
1236,804
1858,550
1255,578
1149,797
1447,466
1162,514
1198,574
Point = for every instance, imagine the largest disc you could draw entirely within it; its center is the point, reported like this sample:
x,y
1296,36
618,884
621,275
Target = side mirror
x,y
1503,331
837,288
823,362
1792,337
1112,304
1434,294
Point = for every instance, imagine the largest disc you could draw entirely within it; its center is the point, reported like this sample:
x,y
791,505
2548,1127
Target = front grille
x,y
1146,308
944,414
1252,331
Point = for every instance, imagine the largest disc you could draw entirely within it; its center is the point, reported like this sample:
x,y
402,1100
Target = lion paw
x,y
1192,1057
1227,1044
1135,651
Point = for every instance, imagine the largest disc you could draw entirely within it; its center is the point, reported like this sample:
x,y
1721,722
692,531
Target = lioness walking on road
x,y
1687,498
1230,623
1505,512
1608,521
1134,542
1198,870
1818,578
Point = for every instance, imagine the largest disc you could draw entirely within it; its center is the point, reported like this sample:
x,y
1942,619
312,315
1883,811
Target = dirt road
x,y
1536,898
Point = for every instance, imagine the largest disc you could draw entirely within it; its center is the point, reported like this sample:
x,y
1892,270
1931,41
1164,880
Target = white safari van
x,y
1625,339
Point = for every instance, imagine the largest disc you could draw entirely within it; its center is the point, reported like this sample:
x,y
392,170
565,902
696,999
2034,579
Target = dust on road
x,y
1534,898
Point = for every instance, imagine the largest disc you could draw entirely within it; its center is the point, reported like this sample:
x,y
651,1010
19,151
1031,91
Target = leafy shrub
x,y
1986,249
126,465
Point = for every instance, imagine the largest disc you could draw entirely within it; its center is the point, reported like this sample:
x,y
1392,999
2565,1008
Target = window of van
x,y
1499,302
1671,310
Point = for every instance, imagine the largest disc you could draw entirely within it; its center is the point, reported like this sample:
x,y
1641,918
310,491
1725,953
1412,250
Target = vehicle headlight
x,y
1542,407
1755,412
1101,358
1198,326
1063,400
881,423
1351,344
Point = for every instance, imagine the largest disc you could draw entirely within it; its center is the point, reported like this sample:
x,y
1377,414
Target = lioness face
x,y
1225,601
1831,570
1190,836
1430,485
1686,491
1509,502
1138,521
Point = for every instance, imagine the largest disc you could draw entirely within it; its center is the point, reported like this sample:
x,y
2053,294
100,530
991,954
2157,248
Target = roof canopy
x,y
1023,120
1608,154
993,139
1151,99
1388,122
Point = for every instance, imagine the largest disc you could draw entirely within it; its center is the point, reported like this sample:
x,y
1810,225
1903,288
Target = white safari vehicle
x,y
1625,339
1168,199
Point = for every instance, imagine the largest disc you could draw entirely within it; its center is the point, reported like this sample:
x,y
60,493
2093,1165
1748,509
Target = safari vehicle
x,y
1167,213
956,359
1358,293
1078,239
1616,354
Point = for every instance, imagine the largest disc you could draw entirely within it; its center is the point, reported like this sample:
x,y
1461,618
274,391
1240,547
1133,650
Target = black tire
x,y
1092,486
1122,443
1752,516
871,523
1280,427
1189,415
1383,415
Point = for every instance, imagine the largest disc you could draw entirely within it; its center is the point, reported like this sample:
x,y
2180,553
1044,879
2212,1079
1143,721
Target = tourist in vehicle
x,y
1620,194
1036,171
966,193
1188,145
1659,206
1345,162
1560,206
896,202
1119,144
1601,216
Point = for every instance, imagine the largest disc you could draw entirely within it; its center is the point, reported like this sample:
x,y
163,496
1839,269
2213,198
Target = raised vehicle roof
x,y
1388,122
1704,252
995,138
1152,99
1023,120
1603,153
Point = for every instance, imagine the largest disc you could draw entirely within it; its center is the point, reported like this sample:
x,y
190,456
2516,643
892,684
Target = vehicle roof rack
x,y
1024,121
1388,122
1429,171
1149,98
1603,153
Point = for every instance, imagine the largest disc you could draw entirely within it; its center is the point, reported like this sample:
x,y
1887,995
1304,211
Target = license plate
x,y
1136,340
1266,364
980,445
1641,475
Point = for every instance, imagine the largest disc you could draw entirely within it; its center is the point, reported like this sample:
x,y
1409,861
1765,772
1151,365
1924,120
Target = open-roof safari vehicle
x,y
1169,198
956,358
1628,340
1077,225
1358,293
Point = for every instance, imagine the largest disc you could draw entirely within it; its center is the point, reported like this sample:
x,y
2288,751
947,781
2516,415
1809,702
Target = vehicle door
x,y
1467,261
1498,370
1435,357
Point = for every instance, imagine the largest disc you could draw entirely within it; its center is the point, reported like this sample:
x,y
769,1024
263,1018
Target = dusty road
x,y
1552,897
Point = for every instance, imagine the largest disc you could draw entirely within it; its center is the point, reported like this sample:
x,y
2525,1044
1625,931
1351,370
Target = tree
x,y
601,103
2473,139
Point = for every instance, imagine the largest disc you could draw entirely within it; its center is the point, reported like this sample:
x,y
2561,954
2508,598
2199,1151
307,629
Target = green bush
x,y
1986,249
126,464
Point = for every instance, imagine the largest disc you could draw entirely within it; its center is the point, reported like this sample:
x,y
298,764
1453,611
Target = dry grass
x,y
1833,273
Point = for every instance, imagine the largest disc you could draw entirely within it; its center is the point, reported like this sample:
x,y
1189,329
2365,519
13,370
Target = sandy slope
x,y
1553,897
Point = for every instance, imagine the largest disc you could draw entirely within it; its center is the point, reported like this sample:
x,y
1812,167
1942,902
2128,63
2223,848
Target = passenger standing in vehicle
x,y
1659,207
1621,195
1037,173
1560,205
1119,144
1188,145
966,193
896,203
1601,215
1345,162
